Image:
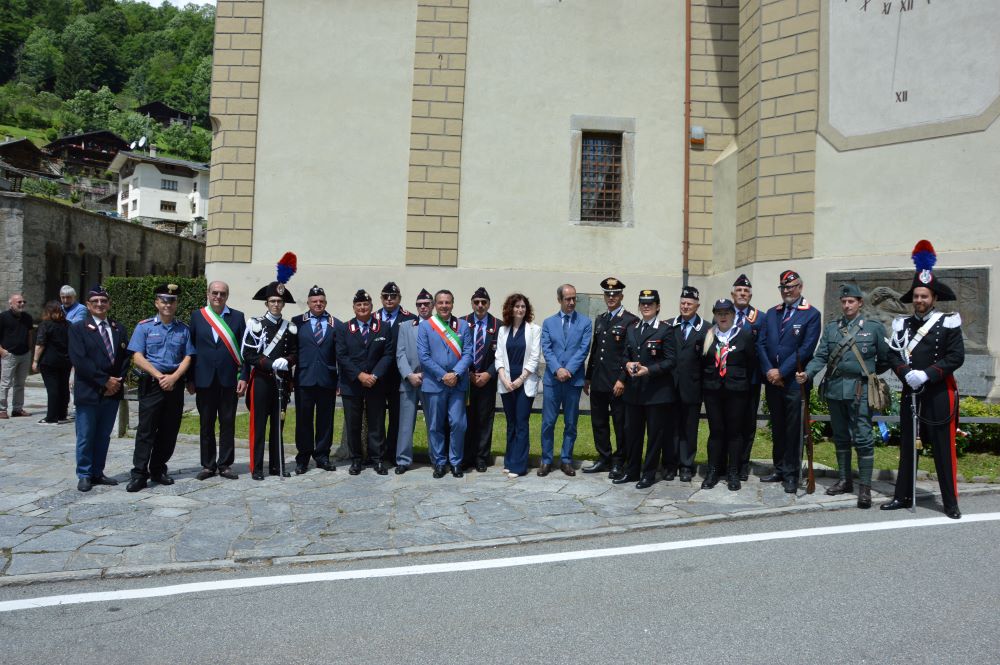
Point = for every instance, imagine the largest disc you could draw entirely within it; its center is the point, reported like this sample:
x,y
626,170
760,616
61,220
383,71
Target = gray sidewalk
x,y
49,530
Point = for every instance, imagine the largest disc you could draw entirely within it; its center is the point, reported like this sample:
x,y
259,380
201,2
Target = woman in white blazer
x,y
519,349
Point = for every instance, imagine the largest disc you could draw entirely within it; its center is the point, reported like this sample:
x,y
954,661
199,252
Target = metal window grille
x,y
168,206
601,178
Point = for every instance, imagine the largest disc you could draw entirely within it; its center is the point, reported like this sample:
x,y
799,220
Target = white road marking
x,y
464,566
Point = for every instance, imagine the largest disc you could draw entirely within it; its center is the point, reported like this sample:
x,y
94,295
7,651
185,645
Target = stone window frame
x,y
579,124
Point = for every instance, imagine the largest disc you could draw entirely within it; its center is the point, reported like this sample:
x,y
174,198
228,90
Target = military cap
x,y
391,289
612,285
850,291
317,291
743,280
362,296
167,291
649,295
274,290
690,292
788,277
425,296
924,257
723,304
97,291
481,292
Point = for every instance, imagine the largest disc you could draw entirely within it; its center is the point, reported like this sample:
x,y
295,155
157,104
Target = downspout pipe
x,y
685,271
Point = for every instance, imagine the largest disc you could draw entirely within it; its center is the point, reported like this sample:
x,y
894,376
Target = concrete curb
x,y
241,563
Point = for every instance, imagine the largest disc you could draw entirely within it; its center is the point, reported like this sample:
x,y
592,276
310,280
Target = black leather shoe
x,y
401,469
864,496
258,475
842,486
481,468
300,469
623,479
615,473
456,471
355,468
567,468
380,469
669,474
733,483
597,467
645,482
953,513
84,485
773,478
228,473
896,504
136,484
439,472
103,480
686,475
162,478
791,486
325,465
744,472
711,479
205,474
543,470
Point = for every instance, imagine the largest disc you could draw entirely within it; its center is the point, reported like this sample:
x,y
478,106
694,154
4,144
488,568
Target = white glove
x,y
279,365
916,378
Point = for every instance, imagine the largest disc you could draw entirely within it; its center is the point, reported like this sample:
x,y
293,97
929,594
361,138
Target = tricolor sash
x,y
222,329
451,338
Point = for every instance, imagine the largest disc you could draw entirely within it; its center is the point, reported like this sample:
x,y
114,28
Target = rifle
x,y
806,429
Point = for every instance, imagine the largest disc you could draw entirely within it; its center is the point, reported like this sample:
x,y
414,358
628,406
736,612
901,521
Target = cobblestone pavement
x,y
48,529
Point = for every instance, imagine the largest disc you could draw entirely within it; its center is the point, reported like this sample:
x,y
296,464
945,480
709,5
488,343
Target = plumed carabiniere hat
x,y
924,257
286,268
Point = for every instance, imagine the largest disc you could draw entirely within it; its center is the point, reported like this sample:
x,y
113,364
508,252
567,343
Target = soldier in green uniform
x,y
845,387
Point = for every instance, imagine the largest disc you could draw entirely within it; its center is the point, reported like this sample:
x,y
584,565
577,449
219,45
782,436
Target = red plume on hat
x,y
924,259
287,266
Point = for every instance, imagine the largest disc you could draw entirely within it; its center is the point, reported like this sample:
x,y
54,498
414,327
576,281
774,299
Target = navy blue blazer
x,y
353,357
90,359
317,360
212,359
781,350
754,323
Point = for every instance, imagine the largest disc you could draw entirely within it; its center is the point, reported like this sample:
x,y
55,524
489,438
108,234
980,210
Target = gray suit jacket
x,y
406,352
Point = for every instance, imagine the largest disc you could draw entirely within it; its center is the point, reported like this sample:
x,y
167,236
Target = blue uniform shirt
x,y
164,346
75,313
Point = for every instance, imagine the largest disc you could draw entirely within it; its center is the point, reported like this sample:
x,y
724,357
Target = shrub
x,y
132,297
980,437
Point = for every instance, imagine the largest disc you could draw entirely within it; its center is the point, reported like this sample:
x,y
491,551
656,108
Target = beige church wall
x,y
333,139
533,66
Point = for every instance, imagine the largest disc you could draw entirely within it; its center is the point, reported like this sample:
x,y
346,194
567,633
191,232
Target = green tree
x,y
93,108
40,59
131,125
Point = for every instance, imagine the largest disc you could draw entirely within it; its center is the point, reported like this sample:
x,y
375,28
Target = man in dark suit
x,y
786,342
365,352
689,336
98,351
315,384
607,408
750,319
217,333
483,386
390,316
648,389
565,342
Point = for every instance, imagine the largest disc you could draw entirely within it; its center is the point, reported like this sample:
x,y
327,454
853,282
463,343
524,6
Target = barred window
x,y
601,177
169,185
168,206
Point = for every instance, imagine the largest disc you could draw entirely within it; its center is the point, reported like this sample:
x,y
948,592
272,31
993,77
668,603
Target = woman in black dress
x,y
728,360
52,360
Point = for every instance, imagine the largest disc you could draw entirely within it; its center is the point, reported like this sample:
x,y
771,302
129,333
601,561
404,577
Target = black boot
x,y
864,496
711,479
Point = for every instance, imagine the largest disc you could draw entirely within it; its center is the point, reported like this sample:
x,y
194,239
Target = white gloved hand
x,y
279,365
916,378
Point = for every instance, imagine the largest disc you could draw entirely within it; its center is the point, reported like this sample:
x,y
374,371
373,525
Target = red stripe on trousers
x,y
252,383
952,427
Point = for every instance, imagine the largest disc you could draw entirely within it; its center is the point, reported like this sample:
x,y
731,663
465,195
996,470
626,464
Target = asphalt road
x,y
913,595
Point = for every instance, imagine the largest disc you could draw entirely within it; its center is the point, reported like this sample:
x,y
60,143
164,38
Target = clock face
x,y
908,69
